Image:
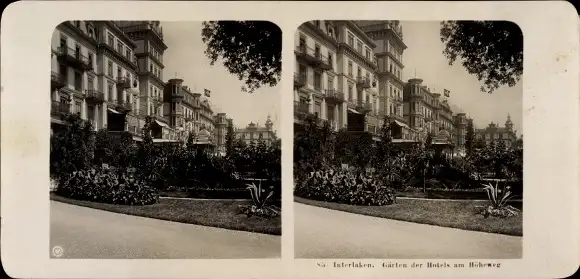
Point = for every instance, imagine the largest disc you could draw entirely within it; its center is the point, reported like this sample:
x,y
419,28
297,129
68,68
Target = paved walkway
x,y
325,233
95,234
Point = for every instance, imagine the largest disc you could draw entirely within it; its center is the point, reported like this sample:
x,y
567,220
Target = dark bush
x,y
107,186
344,186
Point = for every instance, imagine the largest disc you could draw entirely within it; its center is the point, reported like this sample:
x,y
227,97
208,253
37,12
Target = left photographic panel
x,y
164,140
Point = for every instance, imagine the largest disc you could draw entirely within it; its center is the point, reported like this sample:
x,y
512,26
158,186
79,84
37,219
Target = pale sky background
x,y
424,54
185,57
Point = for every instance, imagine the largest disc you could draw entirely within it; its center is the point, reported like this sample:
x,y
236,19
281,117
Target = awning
x,y
164,141
161,123
401,124
113,111
353,111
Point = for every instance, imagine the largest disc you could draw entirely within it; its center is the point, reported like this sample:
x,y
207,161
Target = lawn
x,y
222,214
454,214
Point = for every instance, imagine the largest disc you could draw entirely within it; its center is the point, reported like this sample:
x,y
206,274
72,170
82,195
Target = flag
x,y
446,92
206,92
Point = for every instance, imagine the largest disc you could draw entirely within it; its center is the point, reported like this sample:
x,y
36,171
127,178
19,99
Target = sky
x,y
424,55
185,56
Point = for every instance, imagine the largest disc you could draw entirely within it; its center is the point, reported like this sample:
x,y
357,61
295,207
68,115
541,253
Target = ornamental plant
x,y
260,206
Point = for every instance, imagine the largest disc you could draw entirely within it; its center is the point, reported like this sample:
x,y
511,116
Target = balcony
x,y
397,100
301,110
94,96
58,109
299,80
313,58
364,107
124,107
124,82
363,82
333,96
74,58
57,81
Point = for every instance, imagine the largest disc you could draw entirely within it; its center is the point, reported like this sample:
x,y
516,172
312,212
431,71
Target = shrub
x,y
343,186
107,186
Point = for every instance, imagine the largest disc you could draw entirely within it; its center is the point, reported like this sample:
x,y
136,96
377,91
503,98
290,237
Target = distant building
x,y
252,134
494,133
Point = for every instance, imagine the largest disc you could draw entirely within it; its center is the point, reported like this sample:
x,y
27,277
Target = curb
x,y
453,200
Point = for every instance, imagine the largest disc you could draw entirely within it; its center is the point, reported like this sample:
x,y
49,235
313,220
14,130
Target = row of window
x,y
155,52
120,70
494,136
363,50
250,135
119,46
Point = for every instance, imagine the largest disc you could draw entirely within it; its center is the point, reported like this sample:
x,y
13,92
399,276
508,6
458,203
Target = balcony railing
x,y
299,80
58,108
74,58
124,82
365,107
313,57
363,82
397,100
301,107
57,80
93,95
124,106
333,96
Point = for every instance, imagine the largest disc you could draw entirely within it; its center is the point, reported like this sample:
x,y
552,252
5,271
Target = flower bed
x,y
107,186
343,186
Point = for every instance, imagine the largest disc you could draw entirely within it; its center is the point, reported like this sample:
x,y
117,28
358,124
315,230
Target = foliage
x,y
114,151
71,149
498,199
107,186
469,138
230,138
345,186
260,206
490,50
309,147
500,160
249,49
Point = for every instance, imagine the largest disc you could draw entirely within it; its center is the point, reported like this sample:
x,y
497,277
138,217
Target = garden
x,y
348,171
181,182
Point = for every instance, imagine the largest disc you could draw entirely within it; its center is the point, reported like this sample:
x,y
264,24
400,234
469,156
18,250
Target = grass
x,y
221,214
454,214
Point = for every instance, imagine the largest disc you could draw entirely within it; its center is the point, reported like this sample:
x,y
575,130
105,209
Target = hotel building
x,y
253,133
335,76
494,133
387,36
148,39
93,72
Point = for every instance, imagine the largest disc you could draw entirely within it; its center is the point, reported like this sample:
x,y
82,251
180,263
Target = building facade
x,y
93,73
316,90
148,39
253,133
389,47
493,133
335,76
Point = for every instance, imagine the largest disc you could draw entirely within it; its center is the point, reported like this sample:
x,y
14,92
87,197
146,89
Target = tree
x,y
308,147
230,137
428,140
490,50
71,149
469,138
249,49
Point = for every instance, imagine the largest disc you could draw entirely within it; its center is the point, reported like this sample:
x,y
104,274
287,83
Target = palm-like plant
x,y
259,205
498,198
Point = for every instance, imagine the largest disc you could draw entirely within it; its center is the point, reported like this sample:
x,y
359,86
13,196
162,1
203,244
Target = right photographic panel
x,y
408,140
